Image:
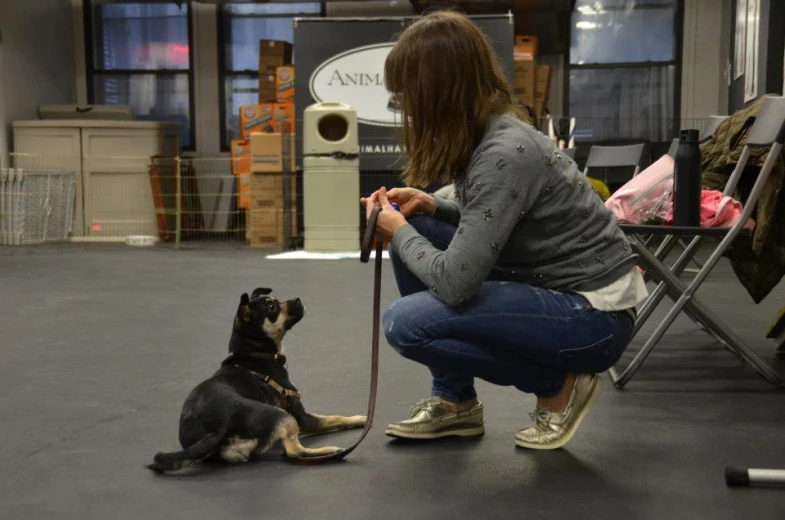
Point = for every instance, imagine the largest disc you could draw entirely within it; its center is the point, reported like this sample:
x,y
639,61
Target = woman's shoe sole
x,y
595,394
462,432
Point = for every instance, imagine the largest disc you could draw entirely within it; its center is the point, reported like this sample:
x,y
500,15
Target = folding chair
x,y
615,157
711,125
768,130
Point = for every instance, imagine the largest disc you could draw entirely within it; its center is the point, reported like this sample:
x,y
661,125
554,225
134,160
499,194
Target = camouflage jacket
x,y
757,260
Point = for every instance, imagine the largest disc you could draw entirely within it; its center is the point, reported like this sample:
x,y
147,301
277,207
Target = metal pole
x,y
178,226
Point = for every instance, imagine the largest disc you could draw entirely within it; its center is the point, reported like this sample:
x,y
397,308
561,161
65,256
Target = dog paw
x,y
357,421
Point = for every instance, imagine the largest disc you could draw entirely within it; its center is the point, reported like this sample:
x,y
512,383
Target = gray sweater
x,y
522,209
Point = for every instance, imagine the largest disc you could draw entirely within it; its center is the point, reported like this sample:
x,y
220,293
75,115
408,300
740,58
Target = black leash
x,y
365,255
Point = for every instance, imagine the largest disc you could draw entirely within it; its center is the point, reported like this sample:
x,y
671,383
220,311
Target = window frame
x,y
92,70
224,72
676,62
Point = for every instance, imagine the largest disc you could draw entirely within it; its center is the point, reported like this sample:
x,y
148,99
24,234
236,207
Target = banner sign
x,y
343,60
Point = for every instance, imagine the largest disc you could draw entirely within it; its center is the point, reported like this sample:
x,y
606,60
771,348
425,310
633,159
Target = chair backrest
x,y
768,125
711,125
569,152
673,147
615,156
768,130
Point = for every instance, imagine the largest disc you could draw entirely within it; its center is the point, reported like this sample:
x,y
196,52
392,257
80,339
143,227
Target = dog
x,y
250,404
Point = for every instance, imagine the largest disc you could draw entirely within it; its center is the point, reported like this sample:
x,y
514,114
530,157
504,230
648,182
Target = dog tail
x,y
177,460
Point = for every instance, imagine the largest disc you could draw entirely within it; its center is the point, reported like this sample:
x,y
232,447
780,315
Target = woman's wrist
x,y
431,205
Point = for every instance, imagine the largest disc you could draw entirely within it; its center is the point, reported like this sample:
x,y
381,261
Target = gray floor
x,y
100,347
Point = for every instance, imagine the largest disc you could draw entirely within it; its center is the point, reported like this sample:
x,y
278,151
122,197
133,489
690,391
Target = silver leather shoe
x,y
554,430
429,420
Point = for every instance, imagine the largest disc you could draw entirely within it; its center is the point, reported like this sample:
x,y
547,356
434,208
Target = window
x,y
139,54
624,69
242,26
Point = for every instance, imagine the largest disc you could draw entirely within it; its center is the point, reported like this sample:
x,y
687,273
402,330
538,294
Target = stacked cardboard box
x,y
272,54
272,181
270,198
241,168
531,81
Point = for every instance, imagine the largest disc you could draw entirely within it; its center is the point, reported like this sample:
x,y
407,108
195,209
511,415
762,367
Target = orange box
x,y
525,48
284,84
283,118
241,168
256,118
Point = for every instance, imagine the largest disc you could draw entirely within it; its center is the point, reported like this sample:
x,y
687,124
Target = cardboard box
x,y
241,168
283,118
267,92
261,228
264,227
542,84
525,48
266,191
256,118
523,87
273,54
241,156
284,84
268,150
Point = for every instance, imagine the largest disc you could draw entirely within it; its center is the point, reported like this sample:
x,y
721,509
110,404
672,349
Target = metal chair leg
x,y
687,299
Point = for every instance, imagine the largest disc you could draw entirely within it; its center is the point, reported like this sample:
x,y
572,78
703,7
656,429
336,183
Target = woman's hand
x,y
412,201
389,220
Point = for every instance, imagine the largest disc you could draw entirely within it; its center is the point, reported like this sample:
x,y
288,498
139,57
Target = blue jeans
x,y
510,334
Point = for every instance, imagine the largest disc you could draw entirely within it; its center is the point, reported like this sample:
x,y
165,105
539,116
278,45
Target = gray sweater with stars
x,y
524,210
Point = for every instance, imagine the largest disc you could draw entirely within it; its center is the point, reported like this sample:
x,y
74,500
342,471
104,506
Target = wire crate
x,y
35,206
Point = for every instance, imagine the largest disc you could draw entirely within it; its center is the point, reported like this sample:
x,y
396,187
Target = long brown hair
x,y
447,80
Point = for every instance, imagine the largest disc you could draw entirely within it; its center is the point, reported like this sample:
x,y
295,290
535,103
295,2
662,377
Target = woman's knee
x,y
400,326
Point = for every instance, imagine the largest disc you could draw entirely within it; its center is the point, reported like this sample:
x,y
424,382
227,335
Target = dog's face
x,y
264,315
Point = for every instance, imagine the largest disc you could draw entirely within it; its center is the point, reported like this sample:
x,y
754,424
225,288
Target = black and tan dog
x,y
249,404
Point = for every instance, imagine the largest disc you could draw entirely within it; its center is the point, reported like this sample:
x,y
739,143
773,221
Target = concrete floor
x,y
101,346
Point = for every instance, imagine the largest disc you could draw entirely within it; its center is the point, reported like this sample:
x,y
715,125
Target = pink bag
x,y
717,210
643,197
647,199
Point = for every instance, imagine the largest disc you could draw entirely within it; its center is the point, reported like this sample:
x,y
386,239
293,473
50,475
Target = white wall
x,y
705,54
36,59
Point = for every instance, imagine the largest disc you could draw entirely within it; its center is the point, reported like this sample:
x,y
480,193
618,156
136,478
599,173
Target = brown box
x,y
284,84
264,226
268,150
523,86
542,84
273,54
265,191
267,92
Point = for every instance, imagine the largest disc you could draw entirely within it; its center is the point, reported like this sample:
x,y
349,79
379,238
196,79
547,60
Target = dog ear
x,y
244,310
261,291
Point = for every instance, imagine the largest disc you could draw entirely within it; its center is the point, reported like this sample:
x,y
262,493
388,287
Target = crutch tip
x,y
737,477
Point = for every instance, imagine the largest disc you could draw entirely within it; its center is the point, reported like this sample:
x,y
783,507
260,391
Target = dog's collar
x,y
277,358
283,393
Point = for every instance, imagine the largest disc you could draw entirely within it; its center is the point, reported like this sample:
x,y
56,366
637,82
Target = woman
x,y
525,279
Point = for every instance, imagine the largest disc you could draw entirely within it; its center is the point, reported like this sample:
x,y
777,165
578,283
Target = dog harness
x,y
283,393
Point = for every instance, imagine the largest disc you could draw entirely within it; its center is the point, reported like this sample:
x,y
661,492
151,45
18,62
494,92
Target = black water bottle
x,y
687,181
